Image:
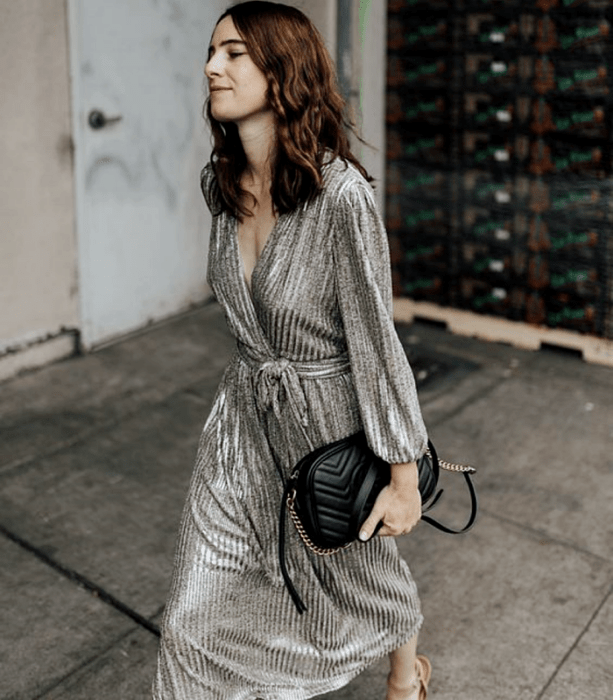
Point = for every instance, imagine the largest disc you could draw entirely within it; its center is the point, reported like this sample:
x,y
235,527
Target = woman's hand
x,y
398,504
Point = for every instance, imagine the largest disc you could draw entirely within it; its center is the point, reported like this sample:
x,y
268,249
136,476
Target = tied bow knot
x,y
277,380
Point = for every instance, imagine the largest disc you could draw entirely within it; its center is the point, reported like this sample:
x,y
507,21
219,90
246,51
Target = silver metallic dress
x,y
317,359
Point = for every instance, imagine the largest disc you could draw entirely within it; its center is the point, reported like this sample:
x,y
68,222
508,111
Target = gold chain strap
x,y
321,551
452,467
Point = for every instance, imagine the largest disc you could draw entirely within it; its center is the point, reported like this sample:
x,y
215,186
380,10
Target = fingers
x,y
368,528
394,531
387,529
398,514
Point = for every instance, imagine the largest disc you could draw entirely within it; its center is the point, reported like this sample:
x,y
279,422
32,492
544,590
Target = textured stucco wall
x,y
38,285
370,24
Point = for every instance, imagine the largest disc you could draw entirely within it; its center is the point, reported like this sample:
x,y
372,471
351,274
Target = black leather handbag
x,y
332,490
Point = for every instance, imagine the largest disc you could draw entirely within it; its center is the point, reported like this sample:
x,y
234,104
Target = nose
x,y
212,67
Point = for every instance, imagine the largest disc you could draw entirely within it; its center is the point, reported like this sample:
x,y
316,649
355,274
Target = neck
x,y
257,136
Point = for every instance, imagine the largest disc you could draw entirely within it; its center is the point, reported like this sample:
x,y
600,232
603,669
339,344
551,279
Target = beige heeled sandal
x,y
423,671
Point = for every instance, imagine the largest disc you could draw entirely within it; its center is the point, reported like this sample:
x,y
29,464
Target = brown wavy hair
x,y
310,113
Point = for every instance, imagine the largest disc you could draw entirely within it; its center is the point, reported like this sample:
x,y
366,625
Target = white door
x,y
140,142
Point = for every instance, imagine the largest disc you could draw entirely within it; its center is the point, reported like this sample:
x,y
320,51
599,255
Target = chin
x,y
220,115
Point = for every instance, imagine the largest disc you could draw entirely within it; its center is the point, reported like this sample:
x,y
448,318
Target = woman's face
x,y
238,87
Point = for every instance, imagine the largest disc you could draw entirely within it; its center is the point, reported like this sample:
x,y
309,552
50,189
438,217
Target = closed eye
x,y
227,42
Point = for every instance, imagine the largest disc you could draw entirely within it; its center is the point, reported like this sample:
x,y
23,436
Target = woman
x,y
299,262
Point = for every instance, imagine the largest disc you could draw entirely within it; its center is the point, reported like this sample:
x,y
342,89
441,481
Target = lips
x,y
218,89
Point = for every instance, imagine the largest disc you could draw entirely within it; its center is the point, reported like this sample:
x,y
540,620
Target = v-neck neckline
x,y
258,263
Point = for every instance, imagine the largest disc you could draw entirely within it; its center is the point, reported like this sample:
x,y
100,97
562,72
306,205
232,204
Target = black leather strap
x,y
473,510
298,602
432,503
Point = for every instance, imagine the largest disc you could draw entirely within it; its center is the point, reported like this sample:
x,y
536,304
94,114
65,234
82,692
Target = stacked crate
x,y
492,255
523,214
419,147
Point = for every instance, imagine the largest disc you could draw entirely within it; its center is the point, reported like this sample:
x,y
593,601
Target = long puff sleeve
x,y
383,378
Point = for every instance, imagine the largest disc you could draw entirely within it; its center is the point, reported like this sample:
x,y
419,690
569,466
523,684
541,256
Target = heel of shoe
x,y
424,671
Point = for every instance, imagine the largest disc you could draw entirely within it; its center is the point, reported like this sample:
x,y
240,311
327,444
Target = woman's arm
x,y
383,379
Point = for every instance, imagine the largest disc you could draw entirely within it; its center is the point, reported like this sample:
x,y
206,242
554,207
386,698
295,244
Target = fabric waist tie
x,y
274,374
277,376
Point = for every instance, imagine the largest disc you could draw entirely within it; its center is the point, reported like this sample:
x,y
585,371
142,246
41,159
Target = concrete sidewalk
x,y
95,457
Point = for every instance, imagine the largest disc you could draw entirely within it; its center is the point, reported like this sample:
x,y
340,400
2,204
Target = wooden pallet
x,y
520,335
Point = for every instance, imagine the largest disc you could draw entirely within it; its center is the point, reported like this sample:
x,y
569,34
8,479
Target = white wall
x,y
38,276
370,47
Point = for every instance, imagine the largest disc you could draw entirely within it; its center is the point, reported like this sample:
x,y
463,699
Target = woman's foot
x,y
417,687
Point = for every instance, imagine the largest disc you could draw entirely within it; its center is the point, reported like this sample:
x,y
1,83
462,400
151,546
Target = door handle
x,y
98,120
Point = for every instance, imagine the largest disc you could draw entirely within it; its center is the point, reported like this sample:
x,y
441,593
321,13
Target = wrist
x,y
404,475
